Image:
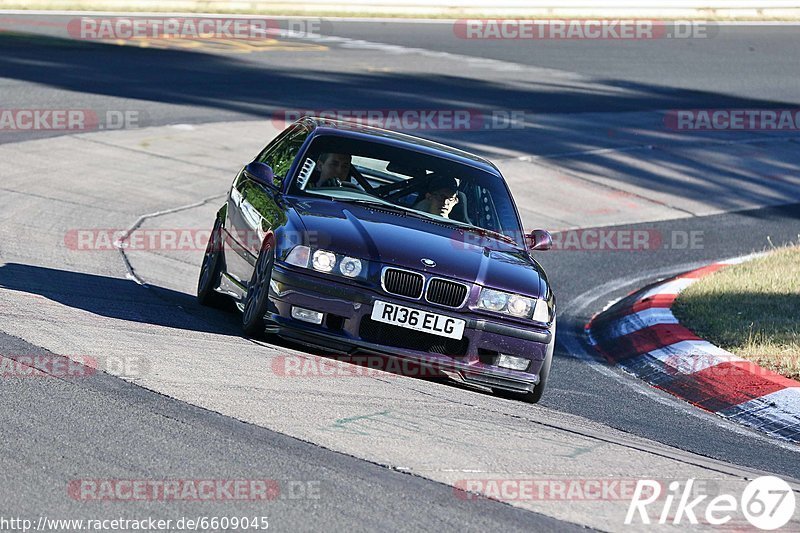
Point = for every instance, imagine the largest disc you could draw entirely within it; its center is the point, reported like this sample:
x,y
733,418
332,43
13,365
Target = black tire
x,y
211,270
256,303
538,390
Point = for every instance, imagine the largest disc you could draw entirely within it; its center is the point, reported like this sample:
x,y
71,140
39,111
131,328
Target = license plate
x,y
416,319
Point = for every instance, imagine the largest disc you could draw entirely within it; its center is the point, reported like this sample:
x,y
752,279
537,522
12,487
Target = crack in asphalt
x,y
119,244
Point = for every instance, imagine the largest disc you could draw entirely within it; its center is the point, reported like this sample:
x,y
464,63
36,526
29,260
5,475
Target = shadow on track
x,y
117,298
253,87
123,299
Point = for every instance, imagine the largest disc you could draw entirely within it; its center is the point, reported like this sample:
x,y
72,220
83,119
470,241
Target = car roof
x,y
341,128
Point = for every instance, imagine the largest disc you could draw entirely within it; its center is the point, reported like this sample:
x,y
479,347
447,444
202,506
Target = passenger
x,y
442,197
333,170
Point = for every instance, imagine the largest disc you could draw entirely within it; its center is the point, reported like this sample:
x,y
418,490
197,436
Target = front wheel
x,y
211,270
256,303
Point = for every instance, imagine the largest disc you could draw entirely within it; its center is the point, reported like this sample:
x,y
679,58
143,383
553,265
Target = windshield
x,y
420,184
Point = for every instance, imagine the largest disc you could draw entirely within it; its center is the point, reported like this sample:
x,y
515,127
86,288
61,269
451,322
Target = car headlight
x,y
492,300
328,262
323,260
299,256
513,305
519,306
350,267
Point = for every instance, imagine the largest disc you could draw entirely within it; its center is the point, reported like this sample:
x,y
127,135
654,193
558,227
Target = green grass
x,y
751,309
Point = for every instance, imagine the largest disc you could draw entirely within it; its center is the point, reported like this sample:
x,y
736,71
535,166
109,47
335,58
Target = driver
x,y
333,170
442,197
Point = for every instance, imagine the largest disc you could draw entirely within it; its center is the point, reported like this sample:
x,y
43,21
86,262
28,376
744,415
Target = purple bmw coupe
x,y
361,240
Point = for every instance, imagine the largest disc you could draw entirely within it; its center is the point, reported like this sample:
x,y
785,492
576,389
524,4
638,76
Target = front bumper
x,y
348,328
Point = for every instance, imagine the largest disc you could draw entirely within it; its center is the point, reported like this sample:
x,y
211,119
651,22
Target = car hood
x,y
396,239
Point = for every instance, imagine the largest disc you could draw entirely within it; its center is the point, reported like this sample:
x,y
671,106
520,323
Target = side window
x,y
281,154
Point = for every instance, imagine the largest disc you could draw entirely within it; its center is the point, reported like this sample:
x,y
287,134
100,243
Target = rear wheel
x,y
211,270
256,303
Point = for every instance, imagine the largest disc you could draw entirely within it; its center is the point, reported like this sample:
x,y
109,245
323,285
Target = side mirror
x,y
539,240
261,173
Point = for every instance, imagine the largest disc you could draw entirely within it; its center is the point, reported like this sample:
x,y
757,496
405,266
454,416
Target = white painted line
x,y
671,287
688,357
777,414
742,259
785,400
637,321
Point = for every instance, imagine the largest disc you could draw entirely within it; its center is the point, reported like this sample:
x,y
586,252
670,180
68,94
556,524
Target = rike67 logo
x,y
767,503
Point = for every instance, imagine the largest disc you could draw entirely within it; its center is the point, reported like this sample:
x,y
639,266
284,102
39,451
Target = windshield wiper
x,y
483,231
380,204
370,202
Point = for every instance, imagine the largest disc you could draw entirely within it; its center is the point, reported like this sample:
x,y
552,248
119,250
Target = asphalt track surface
x,y
741,66
103,427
